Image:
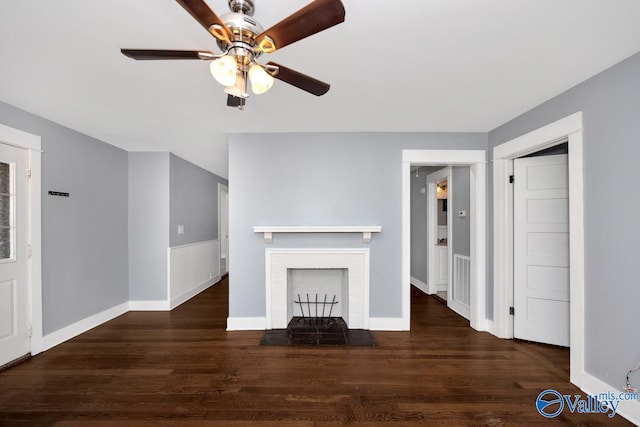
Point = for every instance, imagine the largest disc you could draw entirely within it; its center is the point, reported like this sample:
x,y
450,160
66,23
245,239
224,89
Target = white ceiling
x,y
411,65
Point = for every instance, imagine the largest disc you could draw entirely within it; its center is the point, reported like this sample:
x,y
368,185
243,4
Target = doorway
x,y
223,227
568,130
439,232
475,160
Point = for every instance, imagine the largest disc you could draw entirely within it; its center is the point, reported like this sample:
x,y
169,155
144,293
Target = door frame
x,y
32,144
568,129
432,226
476,159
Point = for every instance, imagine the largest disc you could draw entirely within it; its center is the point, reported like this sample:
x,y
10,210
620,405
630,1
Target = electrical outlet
x,y
181,229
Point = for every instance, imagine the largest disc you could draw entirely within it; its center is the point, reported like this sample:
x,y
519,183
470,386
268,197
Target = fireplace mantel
x,y
366,230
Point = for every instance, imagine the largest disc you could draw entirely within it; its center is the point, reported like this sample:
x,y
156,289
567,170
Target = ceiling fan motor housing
x,y
242,6
244,31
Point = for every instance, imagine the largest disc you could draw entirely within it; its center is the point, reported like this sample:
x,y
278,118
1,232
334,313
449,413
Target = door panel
x,y
14,336
541,249
7,309
443,268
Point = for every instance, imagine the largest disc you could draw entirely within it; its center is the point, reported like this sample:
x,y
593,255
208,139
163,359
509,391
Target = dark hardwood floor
x,y
182,368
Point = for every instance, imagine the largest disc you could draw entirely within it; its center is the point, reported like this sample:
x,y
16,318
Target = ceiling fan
x,y
242,40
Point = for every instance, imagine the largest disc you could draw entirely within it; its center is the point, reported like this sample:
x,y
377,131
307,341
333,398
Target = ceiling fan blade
x,y
313,18
301,81
207,18
151,54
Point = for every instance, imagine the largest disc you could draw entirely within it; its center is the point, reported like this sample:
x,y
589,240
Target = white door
x,y
224,231
14,335
541,249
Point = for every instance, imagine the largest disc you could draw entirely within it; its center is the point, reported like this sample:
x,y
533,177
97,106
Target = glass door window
x,y
7,215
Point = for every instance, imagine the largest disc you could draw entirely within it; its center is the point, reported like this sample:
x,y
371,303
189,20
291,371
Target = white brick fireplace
x,y
351,288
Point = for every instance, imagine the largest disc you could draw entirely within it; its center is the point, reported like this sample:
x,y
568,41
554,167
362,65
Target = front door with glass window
x,y
14,334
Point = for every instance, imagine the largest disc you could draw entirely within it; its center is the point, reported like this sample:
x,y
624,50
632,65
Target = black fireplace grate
x,y
330,331
318,331
316,304
317,326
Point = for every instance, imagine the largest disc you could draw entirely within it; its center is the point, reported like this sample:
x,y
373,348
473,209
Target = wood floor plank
x,y
182,368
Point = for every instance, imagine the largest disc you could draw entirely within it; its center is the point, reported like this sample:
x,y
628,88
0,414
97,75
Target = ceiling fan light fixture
x,y
224,70
261,81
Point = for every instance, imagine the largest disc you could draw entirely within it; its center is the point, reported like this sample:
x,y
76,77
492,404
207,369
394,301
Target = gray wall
x,y
84,237
610,102
148,225
419,223
193,202
322,179
461,227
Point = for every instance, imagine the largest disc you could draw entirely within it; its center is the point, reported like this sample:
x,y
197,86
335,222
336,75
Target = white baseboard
x,y
193,292
246,323
420,285
61,335
442,287
387,324
162,305
75,329
493,329
157,305
629,409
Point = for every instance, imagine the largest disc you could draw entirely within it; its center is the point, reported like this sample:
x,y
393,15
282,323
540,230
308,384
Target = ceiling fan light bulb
x,y
261,81
224,70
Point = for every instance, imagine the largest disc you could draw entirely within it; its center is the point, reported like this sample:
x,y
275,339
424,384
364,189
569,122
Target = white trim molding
x,y
387,324
149,305
19,138
77,328
366,230
246,323
629,409
476,159
539,139
420,285
32,143
568,129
